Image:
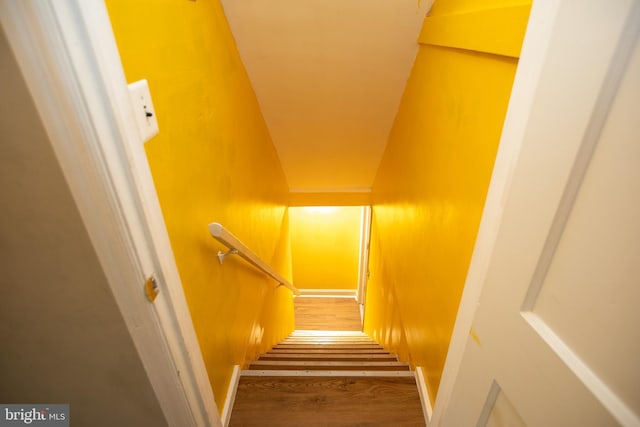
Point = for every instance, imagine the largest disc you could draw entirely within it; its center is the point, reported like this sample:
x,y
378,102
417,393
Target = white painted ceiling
x,y
329,75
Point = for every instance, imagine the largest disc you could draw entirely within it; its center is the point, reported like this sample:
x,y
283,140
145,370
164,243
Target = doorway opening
x,y
330,253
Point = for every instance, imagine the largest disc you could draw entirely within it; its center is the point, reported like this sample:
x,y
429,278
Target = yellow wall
x,y
430,188
213,160
325,245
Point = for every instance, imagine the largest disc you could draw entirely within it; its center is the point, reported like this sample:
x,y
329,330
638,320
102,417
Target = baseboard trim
x,y
327,293
231,395
427,409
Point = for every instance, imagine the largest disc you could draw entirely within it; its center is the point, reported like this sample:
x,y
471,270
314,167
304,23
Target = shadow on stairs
x,y
327,378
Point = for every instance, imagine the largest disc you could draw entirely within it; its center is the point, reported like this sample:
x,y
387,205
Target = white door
x,y
555,339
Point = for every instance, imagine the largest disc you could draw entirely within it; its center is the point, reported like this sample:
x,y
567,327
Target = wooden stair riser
x,y
327,351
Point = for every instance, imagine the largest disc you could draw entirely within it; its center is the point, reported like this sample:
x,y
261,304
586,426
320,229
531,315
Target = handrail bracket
x,y
223,255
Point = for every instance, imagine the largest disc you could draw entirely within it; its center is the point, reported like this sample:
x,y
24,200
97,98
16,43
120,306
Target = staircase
x,y
327,378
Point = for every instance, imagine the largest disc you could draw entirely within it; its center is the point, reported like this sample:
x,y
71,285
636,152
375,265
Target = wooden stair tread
x,y
345,362
322,401
337,357
327,351
323,373
328,334
328,345
385,366
322,378
355,336
356,340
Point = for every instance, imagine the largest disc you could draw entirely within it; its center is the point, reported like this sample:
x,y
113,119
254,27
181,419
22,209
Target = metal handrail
x,y
236,247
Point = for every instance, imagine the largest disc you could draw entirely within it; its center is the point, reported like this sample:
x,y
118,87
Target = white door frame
x,y
69,60
535,65
363,262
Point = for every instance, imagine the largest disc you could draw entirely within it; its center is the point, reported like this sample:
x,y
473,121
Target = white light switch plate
x,y
143,109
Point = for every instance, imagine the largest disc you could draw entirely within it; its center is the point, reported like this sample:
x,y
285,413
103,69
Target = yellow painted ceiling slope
x,y
329,75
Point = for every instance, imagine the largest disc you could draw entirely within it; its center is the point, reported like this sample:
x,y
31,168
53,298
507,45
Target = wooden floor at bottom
x,y
334,314
327,401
